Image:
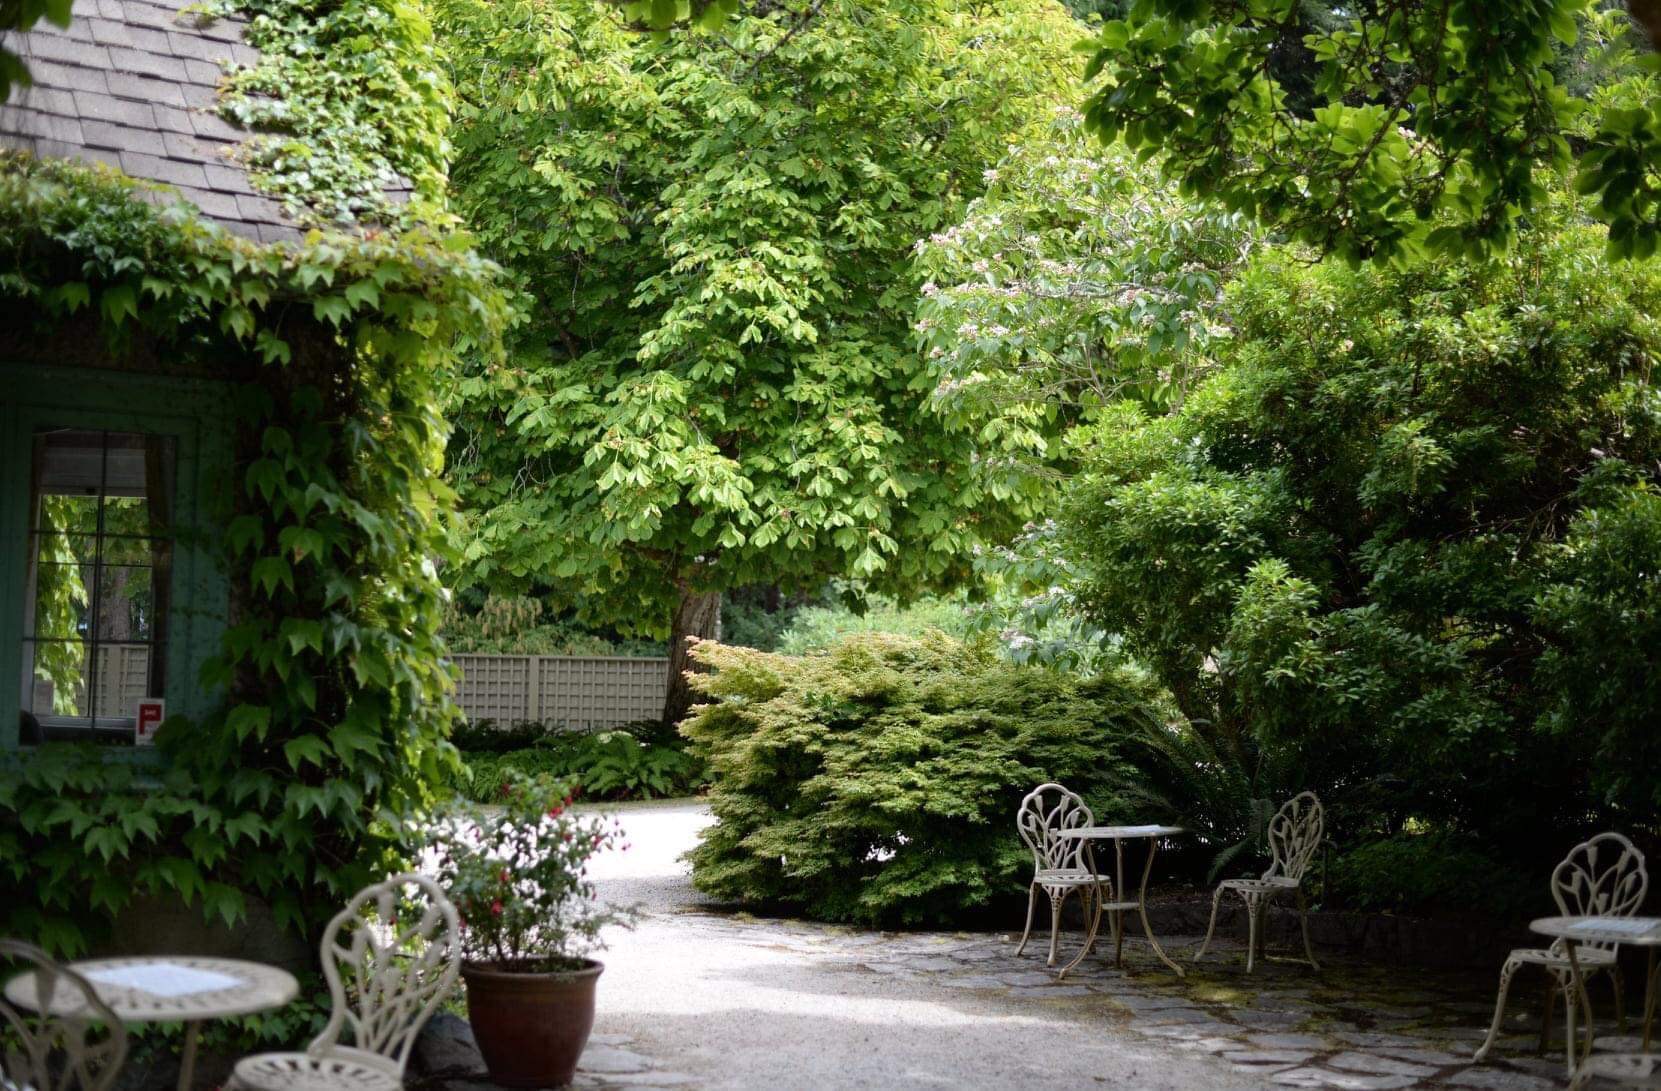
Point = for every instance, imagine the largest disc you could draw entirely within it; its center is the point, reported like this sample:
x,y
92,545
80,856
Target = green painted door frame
x,y
196,412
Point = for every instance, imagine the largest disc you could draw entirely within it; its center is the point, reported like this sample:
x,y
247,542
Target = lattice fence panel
x,y
495,687
588,692
578,692
123,678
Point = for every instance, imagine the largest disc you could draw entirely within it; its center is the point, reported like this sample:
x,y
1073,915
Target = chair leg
x,y
1509,970
1303,919
1571,1012
1032,903
1092,914
1216,902
1254,908
1619,984
1056,901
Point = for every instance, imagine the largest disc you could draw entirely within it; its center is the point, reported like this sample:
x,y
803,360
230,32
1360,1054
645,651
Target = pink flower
x,y
496,908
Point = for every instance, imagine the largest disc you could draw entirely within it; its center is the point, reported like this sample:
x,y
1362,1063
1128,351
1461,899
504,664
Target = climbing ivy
x,y
335,681
351,106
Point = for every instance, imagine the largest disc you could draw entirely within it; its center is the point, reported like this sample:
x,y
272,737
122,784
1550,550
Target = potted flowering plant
x,y
518,876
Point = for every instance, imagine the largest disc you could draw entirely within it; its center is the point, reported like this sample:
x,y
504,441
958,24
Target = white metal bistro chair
x,y
1060,866
1603,877
76,1044
399,945
1294,834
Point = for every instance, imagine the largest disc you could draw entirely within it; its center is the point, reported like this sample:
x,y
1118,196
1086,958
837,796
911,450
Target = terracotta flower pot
x,y
531,1026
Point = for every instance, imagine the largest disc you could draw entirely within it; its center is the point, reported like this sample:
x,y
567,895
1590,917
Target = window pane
x,y
62,594
124,607
123,680
138,551
58,679
62,548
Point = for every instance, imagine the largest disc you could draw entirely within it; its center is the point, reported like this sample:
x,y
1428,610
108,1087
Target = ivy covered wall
x,y
335,686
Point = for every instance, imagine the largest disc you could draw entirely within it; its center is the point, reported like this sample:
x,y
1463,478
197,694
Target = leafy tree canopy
x,y
1080,277
1406,538
714,382
1354,130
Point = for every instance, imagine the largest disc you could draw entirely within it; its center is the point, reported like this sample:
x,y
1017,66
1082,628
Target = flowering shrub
x,y
519,877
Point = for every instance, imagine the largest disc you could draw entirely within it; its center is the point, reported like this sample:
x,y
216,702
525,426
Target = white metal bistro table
x,y
1640,1068
166,989
1153,835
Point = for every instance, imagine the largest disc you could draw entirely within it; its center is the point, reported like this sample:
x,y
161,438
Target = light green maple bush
x,y
877,782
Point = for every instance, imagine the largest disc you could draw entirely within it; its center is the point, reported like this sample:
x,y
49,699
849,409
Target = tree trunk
x,y
1647,14
698,614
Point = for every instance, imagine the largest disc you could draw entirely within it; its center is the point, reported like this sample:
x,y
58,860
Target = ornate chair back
x,y
76,1044
398,944
1294,835
1603,877
1045,812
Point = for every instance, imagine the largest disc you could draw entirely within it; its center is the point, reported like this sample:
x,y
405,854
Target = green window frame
x,y
194,413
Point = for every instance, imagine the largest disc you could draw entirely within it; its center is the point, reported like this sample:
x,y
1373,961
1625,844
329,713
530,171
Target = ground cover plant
x,y
616,764
876,782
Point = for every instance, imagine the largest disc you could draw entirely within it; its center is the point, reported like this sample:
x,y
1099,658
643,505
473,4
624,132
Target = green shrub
x,y
487,737
877,782
815,628
1432,875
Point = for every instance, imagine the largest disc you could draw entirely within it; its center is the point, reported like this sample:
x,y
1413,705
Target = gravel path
x,y
694,998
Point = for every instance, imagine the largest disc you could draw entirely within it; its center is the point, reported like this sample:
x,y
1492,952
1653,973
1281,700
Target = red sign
x,y
151,712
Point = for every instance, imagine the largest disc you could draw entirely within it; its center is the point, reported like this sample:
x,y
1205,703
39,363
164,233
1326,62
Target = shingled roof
x,y
132,83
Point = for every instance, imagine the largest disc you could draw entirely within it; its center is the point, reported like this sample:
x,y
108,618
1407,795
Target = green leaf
x,y
118,303
306,748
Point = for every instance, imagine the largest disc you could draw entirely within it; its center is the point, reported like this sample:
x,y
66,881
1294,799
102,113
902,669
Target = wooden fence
x,y
574,691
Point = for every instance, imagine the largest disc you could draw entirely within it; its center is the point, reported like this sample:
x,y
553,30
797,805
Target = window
x,y
100,571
